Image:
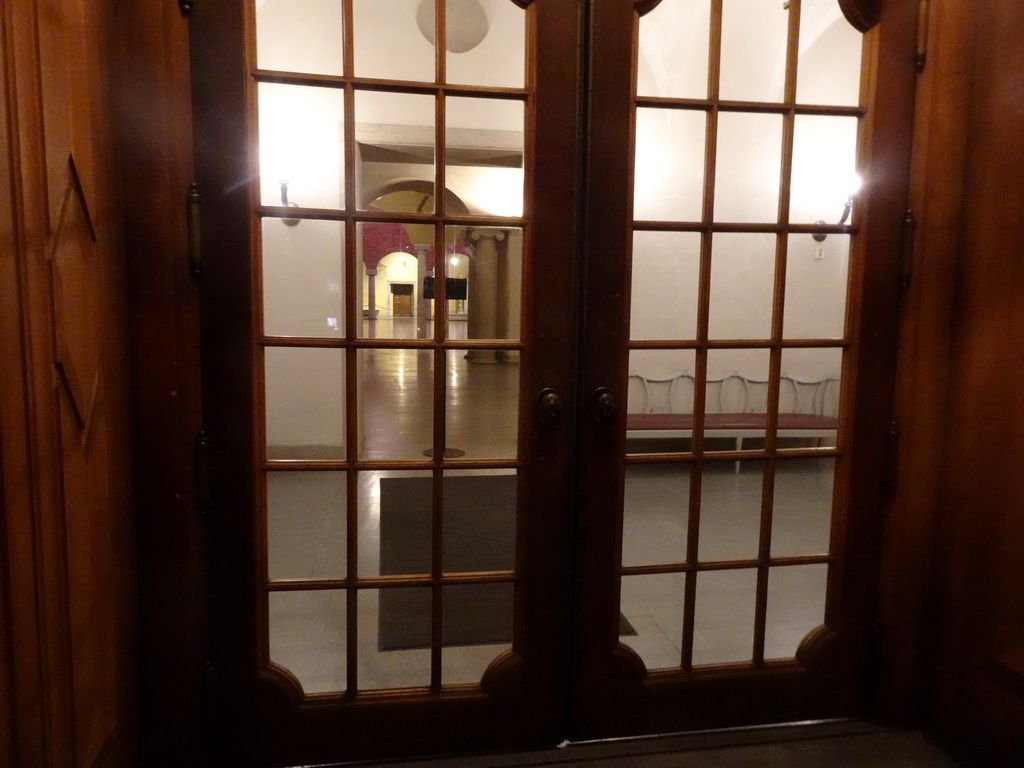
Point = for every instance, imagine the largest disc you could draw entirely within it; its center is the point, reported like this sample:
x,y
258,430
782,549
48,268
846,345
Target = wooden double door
x,y
622,471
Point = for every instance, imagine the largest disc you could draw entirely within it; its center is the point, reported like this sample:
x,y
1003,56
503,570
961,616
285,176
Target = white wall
x,y
303,295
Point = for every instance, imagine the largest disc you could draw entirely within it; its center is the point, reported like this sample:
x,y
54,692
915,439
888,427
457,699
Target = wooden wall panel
x,y
153,105
16,684
68,588
979,690
925,360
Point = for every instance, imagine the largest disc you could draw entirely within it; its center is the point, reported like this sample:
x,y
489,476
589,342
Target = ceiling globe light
x,y
466,24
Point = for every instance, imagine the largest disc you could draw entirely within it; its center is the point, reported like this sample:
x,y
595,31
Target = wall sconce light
x,y
819,237
288,222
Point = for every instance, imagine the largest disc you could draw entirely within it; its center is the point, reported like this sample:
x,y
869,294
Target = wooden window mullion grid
x,y
439,322
351,216
775,361
352,312
697,457
703,320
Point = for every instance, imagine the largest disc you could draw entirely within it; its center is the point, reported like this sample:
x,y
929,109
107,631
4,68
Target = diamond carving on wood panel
x,y
76,343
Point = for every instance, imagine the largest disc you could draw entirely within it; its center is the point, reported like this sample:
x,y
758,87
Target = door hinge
x,y
201,450
186,7
892,446
921,52
907,249
193,210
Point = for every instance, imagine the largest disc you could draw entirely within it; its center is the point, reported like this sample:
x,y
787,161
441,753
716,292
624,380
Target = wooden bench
x,y
735,407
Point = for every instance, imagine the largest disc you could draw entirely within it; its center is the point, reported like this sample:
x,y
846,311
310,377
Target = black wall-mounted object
x,y
454,287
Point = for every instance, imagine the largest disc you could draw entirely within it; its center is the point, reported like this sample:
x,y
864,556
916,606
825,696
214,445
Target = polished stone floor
x,y
307,533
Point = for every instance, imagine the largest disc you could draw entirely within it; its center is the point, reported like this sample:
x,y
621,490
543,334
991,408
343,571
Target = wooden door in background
x,y
401,300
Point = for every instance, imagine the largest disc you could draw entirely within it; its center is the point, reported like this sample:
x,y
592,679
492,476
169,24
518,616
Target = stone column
x,y
482,322
422,304
510,287
371,293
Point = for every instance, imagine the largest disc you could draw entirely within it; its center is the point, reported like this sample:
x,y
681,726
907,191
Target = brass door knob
x,y
549,407
605,405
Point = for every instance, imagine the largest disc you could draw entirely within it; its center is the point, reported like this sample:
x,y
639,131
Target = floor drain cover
x,y
449,453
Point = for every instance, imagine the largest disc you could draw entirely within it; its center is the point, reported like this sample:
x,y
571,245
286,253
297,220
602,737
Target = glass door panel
x,y
303,278
747,167
416,396
379,25
673,50
753,43
829,66
666,278
717,495
300,36
301,143
743,288
486,42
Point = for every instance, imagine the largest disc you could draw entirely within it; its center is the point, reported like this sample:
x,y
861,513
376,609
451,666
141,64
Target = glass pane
x,y
824,168
476,627
484,285
673,58
651,617
479,521
655,514
754,50
390,41
485,42
796,605
394,638
665,283
395,522
742,286
802,516
305,403
659,400
484,155
730,510
307,637
809,397
816,287
300,36
395,141
303,278
482,408
736,399
669,170
395,260
723,629
396,403
301,145
830,54
748,167
306,525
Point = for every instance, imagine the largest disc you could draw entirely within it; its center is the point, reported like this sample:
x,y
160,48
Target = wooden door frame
x,y
614,696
